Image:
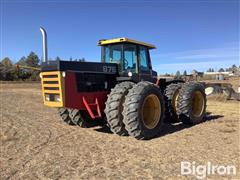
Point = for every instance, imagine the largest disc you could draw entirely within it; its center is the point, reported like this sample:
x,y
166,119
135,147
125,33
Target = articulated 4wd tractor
x,y
123,89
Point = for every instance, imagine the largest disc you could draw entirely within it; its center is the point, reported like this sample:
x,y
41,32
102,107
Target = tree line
x,y
25,69
233,69
9,71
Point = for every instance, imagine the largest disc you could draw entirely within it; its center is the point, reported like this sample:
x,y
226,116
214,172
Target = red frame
x,y
83,100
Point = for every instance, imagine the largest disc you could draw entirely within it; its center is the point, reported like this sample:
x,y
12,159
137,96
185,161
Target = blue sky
x,y
188,34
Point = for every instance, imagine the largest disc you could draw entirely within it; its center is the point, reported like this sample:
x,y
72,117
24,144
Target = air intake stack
x,y
44,44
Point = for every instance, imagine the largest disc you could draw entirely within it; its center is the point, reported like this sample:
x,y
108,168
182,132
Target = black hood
x,y
88,67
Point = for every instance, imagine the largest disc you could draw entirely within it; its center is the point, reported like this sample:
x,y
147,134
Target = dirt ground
x,y
36,144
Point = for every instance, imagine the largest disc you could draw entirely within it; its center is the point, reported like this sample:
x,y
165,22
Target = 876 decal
x,y
109,69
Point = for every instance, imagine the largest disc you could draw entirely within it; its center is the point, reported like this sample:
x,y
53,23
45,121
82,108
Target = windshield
x,y
113,53
123,54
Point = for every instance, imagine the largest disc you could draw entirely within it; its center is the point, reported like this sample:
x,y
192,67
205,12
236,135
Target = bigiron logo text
x,y
202,171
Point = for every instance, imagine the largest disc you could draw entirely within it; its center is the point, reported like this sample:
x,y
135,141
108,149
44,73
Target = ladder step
x,y
90,106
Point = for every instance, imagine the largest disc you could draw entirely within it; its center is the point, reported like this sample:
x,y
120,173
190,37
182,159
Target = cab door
x,y
145,67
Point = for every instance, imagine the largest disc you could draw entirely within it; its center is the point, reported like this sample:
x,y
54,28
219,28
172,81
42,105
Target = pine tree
x,y
82,60
221,70
6,62
185,73
178,74
58,58
32,60
22,61
7,70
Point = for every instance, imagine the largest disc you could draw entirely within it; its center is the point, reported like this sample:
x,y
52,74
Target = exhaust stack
x,y
44,44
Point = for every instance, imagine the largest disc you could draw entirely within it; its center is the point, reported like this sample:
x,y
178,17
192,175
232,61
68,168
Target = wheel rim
x,y
174,100
151,111
198,104
209,90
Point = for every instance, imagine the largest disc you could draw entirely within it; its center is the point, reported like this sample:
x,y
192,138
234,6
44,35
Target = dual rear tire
x,y
191,105
64,116
81,118
171,95
75,117
185,103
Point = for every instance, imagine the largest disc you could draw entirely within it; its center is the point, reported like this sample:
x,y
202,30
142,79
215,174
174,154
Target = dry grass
x,y
35,144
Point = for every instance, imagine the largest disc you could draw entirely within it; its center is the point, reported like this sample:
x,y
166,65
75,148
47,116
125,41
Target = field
x,y
36,144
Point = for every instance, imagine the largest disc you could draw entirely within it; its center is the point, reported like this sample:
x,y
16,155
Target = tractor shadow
x,y
172,128
167,127
210,117
103,129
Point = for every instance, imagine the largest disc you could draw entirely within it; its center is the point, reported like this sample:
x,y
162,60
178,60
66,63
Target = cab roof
x,y
124,40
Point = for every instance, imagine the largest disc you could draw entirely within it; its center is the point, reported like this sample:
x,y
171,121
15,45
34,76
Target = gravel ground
x,y
35,144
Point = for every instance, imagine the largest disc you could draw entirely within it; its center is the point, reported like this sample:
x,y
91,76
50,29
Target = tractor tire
x,y
191,106
144,110
64,115
213,89
81,118
114,107
171,94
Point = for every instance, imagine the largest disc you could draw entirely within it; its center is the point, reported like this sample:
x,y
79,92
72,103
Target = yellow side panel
x,y
52,91
46,87
51,85
53,104
50,79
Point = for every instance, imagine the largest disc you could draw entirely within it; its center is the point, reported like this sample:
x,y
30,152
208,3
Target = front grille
x,y
52,88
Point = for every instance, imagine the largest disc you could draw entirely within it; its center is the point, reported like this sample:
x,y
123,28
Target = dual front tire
x,y
114,107
144,111
135,109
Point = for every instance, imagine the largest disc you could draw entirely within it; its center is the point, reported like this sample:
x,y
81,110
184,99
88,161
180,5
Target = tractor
x,y
122,89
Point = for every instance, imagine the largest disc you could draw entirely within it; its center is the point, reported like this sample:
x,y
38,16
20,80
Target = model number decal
x,y
109,69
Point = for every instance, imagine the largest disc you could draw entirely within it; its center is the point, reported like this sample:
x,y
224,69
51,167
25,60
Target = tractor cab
x,y
132,57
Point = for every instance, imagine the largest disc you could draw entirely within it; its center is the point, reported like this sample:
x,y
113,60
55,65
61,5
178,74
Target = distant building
x,y
218,75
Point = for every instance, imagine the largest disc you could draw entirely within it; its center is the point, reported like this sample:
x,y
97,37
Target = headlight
x,y
47,97
40,75
57,98
63,74
130,74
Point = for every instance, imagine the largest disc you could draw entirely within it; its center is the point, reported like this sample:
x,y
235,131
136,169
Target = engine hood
x,y
88,67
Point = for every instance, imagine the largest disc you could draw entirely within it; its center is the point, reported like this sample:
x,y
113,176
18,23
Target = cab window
x,y
143,56
130,57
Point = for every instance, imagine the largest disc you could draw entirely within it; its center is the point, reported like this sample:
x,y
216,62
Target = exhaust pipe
x,y
44,44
